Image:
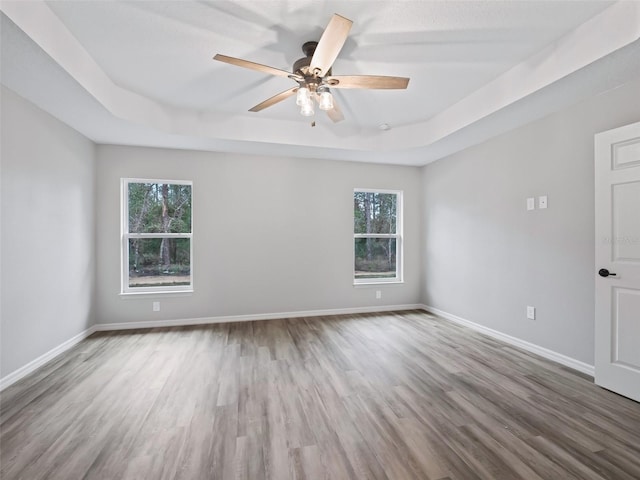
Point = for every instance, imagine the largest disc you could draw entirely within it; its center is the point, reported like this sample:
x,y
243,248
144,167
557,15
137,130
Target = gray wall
x,y
486,257
47,240
271,235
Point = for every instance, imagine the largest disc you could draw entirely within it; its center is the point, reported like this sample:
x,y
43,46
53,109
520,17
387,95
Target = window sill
x,y
377,284
168,293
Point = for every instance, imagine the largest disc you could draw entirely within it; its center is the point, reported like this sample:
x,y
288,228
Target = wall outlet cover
x,y
542,201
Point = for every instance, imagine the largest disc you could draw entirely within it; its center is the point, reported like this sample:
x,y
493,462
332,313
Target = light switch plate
x,y
531,312
156,306
542,201
531,203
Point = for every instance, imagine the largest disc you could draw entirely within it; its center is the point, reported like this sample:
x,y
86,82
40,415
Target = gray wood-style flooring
x,y
387,396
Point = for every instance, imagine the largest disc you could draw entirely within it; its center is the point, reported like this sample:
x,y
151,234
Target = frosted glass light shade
x,y
307,109
303,97
326,101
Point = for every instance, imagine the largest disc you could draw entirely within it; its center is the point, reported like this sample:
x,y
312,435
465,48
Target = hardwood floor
x,y
399,396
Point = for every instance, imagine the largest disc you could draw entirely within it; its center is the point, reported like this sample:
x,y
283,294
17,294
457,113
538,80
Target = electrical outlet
x,y
531,312
378,294
542,201
156,306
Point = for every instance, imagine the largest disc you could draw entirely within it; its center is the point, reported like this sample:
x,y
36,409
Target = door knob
x,y
605,273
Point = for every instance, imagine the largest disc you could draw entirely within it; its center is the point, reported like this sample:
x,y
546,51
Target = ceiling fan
x,y
313,73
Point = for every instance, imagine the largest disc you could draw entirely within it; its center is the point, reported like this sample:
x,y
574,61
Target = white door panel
x,y
626,327
626,221
617,177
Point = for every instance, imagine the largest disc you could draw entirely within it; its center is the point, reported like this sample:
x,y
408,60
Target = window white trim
x,y
399,236
159,235
376,235
126,236
377,190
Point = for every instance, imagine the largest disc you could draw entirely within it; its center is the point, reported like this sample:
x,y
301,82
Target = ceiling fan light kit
x,y
303,97
326,100
313,73
307,110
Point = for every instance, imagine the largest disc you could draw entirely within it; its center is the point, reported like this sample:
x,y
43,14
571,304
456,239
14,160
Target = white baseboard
x,y
530,347
22,372
253,317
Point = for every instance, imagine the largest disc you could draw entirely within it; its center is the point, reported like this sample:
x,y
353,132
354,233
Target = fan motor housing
x,y
301,66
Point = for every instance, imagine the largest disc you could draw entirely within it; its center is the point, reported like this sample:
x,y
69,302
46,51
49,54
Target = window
x,y
377,234
156,236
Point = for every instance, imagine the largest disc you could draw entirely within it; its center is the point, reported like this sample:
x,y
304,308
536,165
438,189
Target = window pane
x,y
374,212
375,257
159,208
155,262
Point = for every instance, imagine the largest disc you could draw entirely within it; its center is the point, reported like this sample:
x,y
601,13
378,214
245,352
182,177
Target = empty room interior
x,y
320,240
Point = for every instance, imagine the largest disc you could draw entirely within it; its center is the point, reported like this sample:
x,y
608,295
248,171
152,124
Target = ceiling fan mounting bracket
x,y
309,48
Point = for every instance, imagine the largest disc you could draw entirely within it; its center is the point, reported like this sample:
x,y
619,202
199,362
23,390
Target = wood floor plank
x,y
402,395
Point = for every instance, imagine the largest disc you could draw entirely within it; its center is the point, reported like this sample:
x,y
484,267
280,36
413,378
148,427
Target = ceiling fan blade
x,y
252,65
335,114
330,44
367,81
275,99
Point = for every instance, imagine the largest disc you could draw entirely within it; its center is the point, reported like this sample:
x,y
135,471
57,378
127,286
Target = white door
x,y
617,176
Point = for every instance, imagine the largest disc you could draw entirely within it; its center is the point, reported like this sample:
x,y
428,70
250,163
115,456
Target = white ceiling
x,y
141,72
